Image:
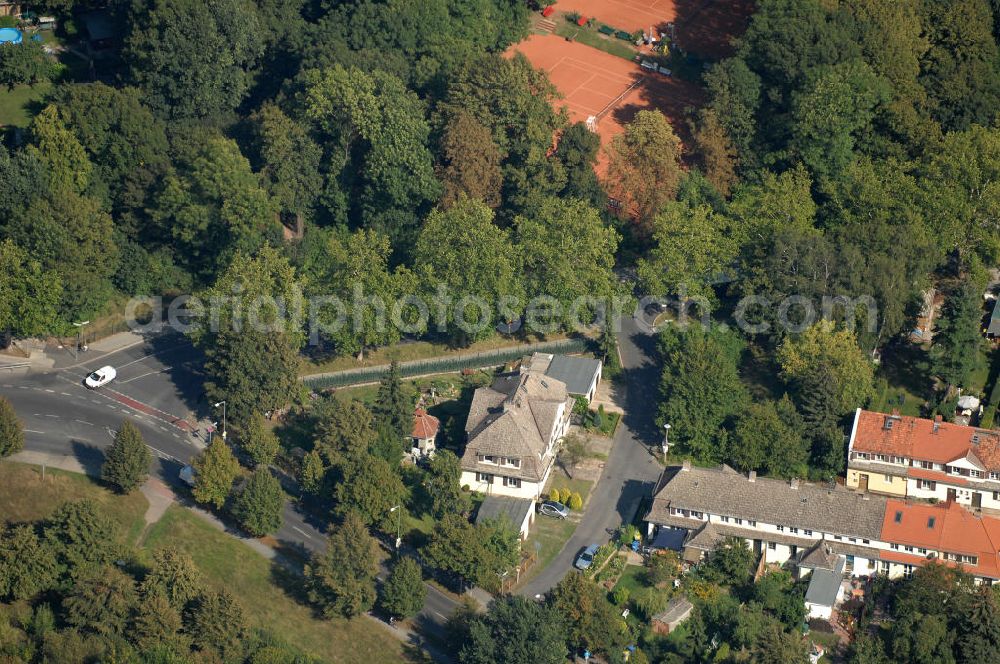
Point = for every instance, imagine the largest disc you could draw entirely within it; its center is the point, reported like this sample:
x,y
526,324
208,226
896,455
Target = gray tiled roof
x,y
723,491
819,557
514,509
679,608
577,373
514,418
824,584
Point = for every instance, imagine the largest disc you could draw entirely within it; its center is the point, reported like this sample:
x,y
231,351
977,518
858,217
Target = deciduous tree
x,y
193,59
644,165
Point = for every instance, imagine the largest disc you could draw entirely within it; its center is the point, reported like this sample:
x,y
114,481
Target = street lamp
x,y
79,332
398,509
666,442
223,404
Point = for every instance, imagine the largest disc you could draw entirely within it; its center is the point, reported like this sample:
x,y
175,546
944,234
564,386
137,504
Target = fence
x,y
439,365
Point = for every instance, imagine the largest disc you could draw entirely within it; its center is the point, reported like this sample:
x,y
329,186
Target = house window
x,y
866,541
794,531
751,522
807,532
884,566
486,478
898,518
894,547
994,475
725,519
975,473
927,465
996,495
971,560
771,546
908,549
880,457
922,551
739,522
927,485
512,482
513,463
907,571
852,539
781,529
696,515
849,563
888,478
837,537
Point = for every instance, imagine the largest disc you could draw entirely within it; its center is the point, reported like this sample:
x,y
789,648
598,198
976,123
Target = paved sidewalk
x,y
48,354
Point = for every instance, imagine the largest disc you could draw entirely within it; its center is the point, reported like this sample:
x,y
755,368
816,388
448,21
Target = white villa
x,y
513,429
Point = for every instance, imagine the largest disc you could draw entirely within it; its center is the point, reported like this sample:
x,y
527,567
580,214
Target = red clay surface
x,y
590,80
703,27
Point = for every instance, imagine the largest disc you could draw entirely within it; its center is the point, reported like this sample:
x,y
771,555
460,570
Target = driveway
x,y
631,471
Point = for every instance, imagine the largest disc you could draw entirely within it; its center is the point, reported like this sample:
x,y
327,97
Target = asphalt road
x,y
158,387
631,470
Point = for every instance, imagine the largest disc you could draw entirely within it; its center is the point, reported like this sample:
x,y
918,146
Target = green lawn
x,y
19,105
591,37
560,481
418,350
633,578
547,538
25,496
261,589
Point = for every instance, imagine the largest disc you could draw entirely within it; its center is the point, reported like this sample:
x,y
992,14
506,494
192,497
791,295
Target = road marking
x,y
50,391
24,387
97,401
66,394
302,532
89,424
53,416
33,431
439,616
150,373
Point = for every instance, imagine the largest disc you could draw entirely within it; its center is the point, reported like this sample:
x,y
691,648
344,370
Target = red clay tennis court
x,y
588,79
595,83
703,27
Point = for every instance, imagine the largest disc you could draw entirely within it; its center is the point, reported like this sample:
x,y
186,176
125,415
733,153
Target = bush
x,y
575,502
554,495
620,595
650,601
627,534
565,494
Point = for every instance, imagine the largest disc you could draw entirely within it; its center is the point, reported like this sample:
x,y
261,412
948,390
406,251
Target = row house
x,y
912,457
795,523
513,429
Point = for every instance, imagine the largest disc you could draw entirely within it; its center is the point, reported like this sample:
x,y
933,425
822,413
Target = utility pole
x,y
398,509
79,333
666,442
223,404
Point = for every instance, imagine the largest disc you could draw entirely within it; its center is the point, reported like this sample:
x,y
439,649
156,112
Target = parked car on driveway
x,y
554,509
586,558
101,377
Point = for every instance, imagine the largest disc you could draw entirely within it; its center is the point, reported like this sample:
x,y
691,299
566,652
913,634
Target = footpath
x,y
160,497
49,354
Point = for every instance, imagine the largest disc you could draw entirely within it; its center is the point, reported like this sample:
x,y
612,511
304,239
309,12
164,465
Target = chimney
x,y
752,476
794,483
937,423
686,465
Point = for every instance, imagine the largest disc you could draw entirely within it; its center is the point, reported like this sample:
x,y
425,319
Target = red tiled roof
x,y
916,438
945,527
424,425
935,476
